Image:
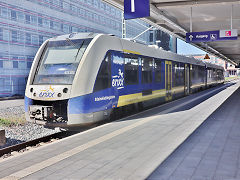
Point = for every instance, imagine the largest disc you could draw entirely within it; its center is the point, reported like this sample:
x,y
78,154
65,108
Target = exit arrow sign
x,y
205,36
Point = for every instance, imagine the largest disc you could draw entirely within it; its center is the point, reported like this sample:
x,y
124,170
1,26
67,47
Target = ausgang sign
x,y
136,9
206,36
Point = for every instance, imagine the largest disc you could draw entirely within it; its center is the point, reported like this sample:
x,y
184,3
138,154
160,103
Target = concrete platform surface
x,y
128,149
212,152
11,103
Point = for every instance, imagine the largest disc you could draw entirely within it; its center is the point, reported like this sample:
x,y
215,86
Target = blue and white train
x,y
82,78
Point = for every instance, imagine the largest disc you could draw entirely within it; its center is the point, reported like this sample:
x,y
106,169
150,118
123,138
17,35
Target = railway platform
x,y
154,144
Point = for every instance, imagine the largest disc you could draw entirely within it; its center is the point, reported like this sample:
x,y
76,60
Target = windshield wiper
x,y
79,50
70,42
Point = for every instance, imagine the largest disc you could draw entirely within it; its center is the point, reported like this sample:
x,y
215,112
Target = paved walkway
x,y
128,149
212,152
11,103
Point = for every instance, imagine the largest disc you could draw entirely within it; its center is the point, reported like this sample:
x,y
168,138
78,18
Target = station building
x,y
26,24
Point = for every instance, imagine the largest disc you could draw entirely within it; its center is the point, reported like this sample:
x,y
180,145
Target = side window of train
x,y
131,69
147,67
157,70
175,74
103,80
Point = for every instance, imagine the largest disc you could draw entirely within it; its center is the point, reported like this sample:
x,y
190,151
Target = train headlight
x,y
31,90
65,90
34,94
59,95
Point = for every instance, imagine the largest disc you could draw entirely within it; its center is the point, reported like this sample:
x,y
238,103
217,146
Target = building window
x,y
65,28
33,19
14,36
56,2
15,64
56,26
40,40
28,38
46,23
13,15
1,34
1,64
40,21
45,38
21,37
5,35
65,5
29,64
2,84
102,6
147,65
27,17
74,9
4,12
34,39
151,37
20,16
75,29
89,1
82,12
96,3
131,69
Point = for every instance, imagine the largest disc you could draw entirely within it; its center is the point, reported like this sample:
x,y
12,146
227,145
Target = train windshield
x,y
59,61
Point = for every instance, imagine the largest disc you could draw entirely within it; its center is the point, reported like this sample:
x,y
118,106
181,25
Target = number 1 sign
x,y
136,9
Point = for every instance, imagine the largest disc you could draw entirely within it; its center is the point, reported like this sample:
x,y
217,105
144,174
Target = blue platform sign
x,y
207,36
136,9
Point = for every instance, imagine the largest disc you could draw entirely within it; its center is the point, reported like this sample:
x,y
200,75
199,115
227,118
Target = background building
x,y
163,40
26,24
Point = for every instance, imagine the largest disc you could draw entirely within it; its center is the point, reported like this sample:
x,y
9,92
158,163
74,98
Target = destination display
x,y
206,36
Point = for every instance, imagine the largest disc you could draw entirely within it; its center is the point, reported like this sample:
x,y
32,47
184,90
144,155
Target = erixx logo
x,y
47,93
118,80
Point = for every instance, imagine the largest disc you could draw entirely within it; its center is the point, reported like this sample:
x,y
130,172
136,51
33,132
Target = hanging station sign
x,y
206,36
136,9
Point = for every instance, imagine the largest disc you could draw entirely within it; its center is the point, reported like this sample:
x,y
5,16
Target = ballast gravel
x,y
16,134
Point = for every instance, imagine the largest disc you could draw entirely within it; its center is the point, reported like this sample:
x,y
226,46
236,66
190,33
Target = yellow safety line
x,y
132,52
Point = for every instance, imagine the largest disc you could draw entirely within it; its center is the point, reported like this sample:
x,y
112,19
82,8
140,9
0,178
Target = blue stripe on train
x,y
93,102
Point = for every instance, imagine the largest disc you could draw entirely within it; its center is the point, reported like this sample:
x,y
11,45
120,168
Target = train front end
x,y
50,80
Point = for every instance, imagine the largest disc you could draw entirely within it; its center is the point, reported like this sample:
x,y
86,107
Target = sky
x,y
187,49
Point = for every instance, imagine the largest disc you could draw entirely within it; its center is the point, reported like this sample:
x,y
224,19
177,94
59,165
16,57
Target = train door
x,y
168,77
187,80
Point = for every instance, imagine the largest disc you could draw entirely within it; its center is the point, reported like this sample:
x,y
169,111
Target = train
x,y
80,79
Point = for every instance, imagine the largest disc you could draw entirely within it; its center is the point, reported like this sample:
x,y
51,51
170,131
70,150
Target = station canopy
x,y
174,17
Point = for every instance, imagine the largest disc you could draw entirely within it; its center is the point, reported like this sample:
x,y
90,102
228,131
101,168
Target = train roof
x,y
75,36
210,65
139,49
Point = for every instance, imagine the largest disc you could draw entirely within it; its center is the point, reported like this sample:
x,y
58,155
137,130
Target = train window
x,y
147,66
131,69
103,80
59,61
157,70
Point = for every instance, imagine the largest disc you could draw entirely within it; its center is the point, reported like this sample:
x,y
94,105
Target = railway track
x,y
18,147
